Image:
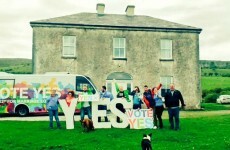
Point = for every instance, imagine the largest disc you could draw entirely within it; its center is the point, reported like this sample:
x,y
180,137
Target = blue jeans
x,y
174,114
86,109
102,107
54,113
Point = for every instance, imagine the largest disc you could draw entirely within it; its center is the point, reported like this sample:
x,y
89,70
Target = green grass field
x,y
200,133
215,106
209,83
16,65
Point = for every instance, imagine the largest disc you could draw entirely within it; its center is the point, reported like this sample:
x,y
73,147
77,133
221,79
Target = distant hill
x,y
16,65
24,66
211,64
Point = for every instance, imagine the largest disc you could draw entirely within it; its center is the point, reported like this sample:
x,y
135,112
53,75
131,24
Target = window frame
x,y
119,47
65,44
167,84
168,49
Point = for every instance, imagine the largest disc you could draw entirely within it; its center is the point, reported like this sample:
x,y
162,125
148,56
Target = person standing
x,y
148,98
136,98
52,107
85,106
149,101
104,94
172,99
159,108
69,97
119,106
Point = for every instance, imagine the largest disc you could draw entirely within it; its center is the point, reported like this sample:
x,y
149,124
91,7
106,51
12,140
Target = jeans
x,y
157,116
102,107
88,110
174,114
136,106
54,113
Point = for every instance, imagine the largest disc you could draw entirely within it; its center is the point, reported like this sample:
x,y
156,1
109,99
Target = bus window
x,y
82,81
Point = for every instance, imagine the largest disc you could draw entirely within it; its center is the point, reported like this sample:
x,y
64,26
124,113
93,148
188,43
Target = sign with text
x,y
140,118
89,98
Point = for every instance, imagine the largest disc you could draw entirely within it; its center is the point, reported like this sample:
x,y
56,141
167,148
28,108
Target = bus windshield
x,y
82,81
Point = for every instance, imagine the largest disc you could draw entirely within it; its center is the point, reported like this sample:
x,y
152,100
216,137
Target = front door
x,y
122,79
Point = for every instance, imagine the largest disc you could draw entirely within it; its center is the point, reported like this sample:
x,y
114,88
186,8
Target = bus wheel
x,y
22,110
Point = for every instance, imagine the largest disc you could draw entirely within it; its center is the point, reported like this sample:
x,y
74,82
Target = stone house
x,y
130,49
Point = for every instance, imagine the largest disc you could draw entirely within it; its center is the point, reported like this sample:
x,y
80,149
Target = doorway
x,y
122,79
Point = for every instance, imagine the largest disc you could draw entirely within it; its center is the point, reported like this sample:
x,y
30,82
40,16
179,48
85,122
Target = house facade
x,y
128,49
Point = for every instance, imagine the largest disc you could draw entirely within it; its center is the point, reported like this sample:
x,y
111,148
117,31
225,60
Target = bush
x,y
204,93
217,90
211,98
225,93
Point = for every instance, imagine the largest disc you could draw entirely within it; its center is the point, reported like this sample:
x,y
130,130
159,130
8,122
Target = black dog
x,y
146,142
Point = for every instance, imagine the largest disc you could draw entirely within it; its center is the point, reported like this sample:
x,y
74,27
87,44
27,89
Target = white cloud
x,y
211,16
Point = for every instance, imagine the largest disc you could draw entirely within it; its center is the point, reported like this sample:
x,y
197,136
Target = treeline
x,y
210,64
215,72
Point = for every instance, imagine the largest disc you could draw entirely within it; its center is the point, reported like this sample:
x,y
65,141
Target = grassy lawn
x,y
215,106
209,83
196,133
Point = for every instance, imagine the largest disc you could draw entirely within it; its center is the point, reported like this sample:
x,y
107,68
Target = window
x,y
166,49
69,46
166,81
119,48
82,81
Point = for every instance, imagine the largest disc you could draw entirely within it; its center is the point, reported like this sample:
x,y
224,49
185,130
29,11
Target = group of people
x,y
150,97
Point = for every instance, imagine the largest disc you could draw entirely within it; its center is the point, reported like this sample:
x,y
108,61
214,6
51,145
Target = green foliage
x,y
196,133
215,72
211,98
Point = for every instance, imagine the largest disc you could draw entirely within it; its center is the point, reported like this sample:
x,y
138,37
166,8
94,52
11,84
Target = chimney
x,y
100,8
130,10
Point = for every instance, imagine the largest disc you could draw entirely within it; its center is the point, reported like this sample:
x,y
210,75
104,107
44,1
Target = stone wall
x,y
94,57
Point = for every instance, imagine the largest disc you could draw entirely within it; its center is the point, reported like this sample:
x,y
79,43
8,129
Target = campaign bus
x,y
24,94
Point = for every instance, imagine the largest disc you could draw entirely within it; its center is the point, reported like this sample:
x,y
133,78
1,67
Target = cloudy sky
x,y
210,15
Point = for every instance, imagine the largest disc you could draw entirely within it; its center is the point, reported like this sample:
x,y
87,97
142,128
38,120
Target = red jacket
x,y
152,92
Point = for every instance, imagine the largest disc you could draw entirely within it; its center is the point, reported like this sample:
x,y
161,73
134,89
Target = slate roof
x,y
114,20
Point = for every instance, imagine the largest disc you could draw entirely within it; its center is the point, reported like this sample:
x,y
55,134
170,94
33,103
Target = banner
x,y
140,118
89,98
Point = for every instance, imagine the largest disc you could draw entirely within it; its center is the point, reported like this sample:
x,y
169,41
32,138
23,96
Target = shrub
x,y
211,98
204,93
217,90
225,93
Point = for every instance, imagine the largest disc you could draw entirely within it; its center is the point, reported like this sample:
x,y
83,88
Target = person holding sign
x,y
172,99
52,107
85,106
104,94
159,108
136,98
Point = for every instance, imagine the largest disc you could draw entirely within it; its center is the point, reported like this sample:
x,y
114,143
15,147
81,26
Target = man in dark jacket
x,y
172,99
